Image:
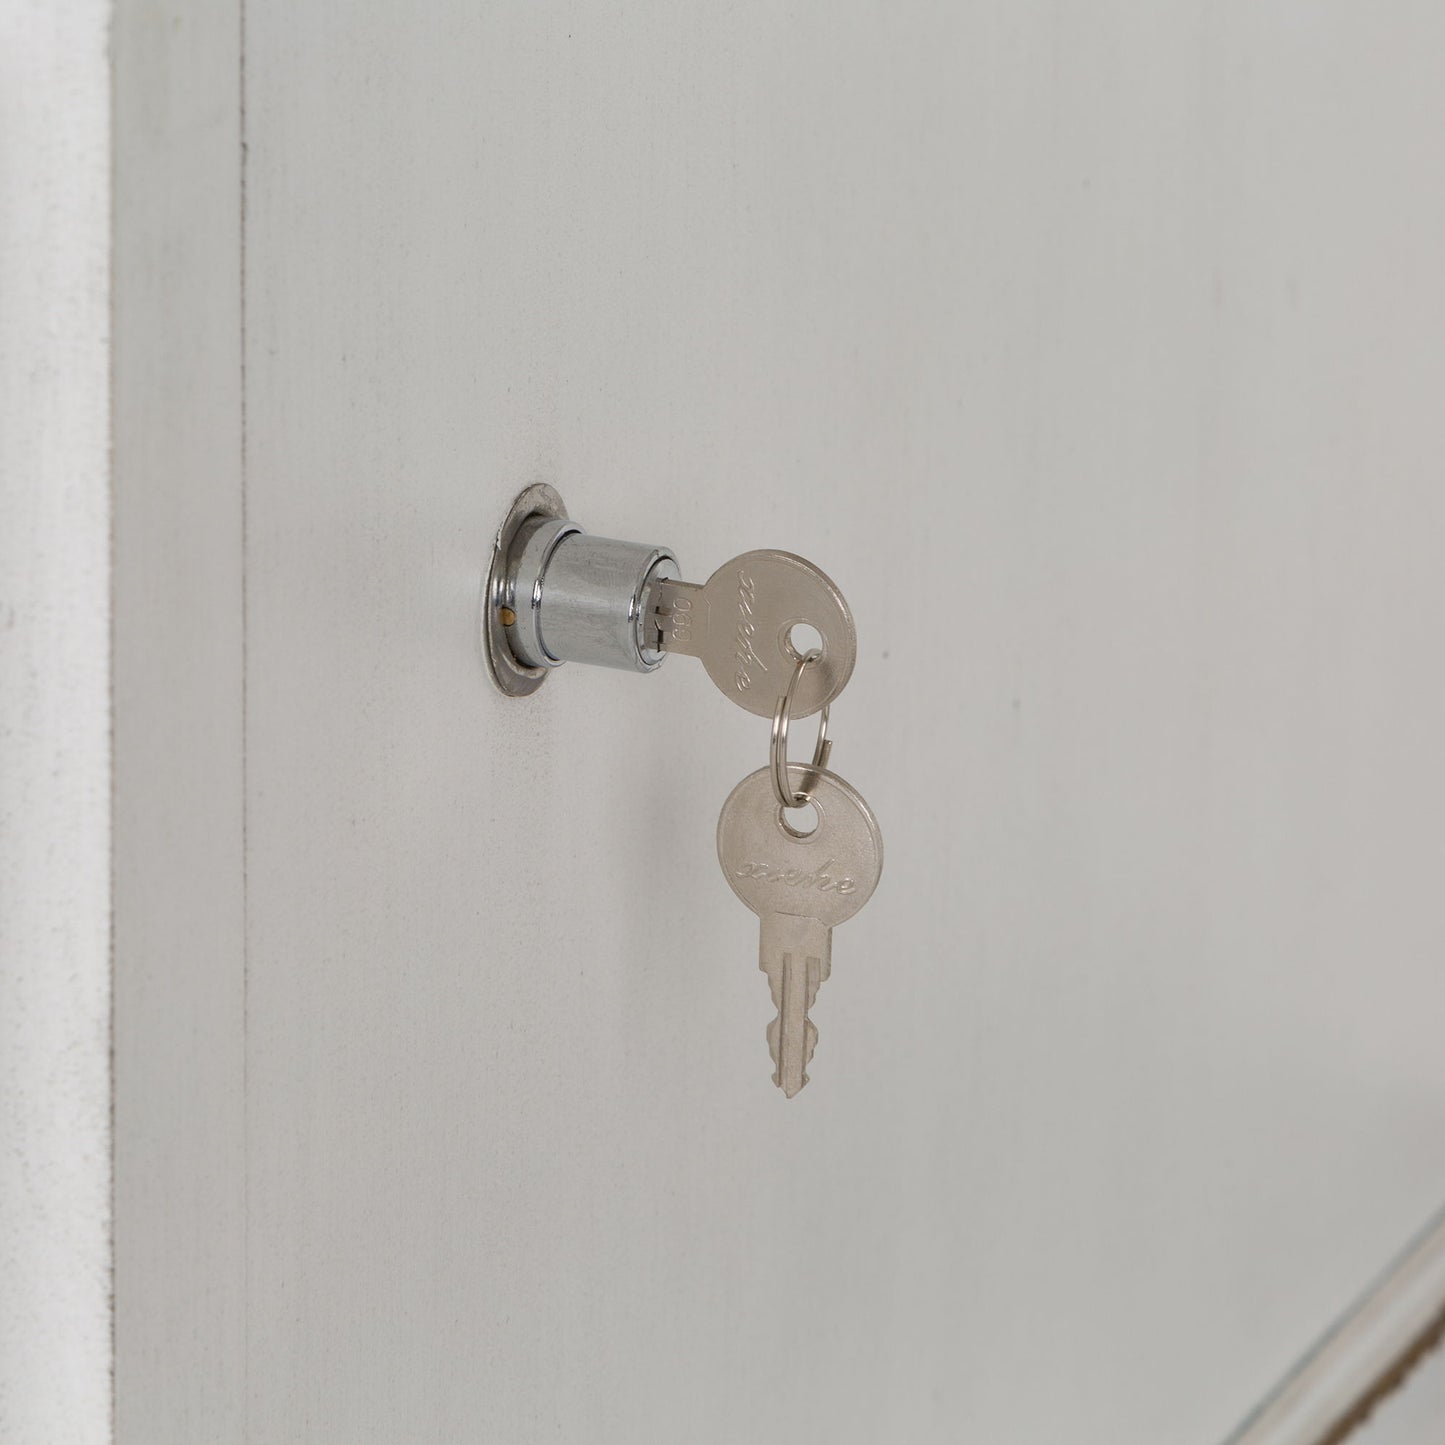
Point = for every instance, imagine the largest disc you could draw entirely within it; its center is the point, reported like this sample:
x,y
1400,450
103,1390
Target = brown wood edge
x,y
1364,1357
1389,1381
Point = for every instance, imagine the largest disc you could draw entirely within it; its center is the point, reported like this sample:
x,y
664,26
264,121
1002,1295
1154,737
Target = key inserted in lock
x,y
556,594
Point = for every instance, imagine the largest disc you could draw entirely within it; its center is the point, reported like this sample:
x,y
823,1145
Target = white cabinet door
x,y
1095,353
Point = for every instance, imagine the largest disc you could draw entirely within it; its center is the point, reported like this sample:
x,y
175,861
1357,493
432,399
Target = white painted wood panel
x,y
55,775
179,1013
1094,351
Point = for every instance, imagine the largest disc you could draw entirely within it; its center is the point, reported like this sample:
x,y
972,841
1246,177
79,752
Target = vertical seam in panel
x,y
111,115
245,792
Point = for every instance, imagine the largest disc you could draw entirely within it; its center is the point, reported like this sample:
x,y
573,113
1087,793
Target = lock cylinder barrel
x,y
578,598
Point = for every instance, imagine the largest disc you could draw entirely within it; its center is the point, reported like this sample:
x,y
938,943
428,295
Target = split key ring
x,y
782,716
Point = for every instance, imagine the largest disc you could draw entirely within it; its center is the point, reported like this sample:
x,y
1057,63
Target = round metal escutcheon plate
x,y
512,676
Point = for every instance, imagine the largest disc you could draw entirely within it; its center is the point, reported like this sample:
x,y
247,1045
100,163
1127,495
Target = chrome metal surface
x,y
537,542
554,594
801,886
513,675
589,595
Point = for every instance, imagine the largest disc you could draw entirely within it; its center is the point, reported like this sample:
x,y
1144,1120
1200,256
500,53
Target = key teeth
x,y
810,1044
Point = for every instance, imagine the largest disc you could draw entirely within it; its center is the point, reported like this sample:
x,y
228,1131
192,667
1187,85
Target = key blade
x,y
793,1036
796,954
679,616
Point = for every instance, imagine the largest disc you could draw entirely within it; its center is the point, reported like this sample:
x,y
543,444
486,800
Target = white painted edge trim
x,y
55,766
1350,1361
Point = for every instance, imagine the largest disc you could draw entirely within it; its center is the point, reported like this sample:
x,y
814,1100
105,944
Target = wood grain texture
x,y
178,807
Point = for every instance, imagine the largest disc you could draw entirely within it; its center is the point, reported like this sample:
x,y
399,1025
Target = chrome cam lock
x,y
556,594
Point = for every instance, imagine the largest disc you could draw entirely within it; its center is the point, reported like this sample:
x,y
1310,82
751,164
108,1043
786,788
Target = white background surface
x,y
1094,352
55,1346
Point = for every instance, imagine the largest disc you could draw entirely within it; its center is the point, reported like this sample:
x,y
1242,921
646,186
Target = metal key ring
x,y
782,715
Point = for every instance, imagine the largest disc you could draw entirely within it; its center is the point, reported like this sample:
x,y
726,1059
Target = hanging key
x,y
740,622
801,885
